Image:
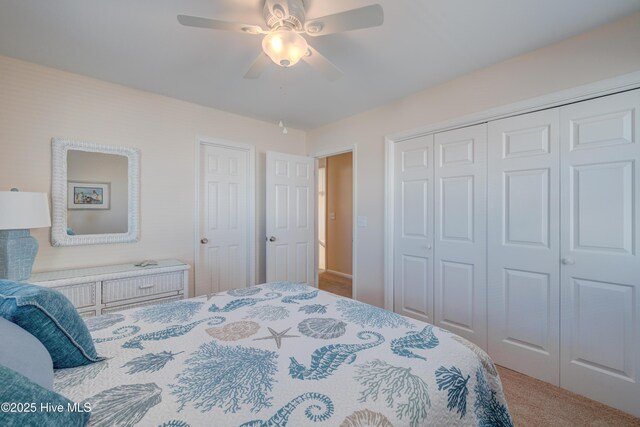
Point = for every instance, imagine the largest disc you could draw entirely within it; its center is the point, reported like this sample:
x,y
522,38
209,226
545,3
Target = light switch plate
x,y
362,221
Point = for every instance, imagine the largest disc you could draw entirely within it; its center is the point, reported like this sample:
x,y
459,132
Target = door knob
x,y
204,240
426,247
271,239
568,261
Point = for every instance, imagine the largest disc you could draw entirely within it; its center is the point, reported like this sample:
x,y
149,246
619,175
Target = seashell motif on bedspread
x,y
366,418
123,405
321,328
234,331
343,363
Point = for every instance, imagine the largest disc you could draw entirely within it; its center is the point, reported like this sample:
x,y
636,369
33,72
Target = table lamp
x,y
20,211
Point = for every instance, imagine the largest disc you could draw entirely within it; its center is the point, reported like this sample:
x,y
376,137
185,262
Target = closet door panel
x,y
600,239
460,231
523,244
413,228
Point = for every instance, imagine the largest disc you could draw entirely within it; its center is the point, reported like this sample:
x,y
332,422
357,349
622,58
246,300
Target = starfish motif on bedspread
x,y
277,336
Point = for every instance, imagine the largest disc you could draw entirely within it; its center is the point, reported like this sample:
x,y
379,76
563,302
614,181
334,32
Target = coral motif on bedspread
x,y
399,387
369,316
226,377
281,355
178,311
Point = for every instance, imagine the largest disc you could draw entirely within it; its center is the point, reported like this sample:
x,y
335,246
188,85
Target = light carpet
x,y
536,403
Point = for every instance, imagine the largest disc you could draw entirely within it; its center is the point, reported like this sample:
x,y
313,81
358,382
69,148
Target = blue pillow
x,y
25,354
27,398
49,316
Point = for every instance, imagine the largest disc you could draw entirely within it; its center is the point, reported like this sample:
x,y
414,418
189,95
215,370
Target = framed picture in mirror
x,y
88,195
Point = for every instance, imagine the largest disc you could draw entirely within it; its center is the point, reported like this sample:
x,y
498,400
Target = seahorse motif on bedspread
x,y
170,332
243,302
325,360
293,299
281,417
423,339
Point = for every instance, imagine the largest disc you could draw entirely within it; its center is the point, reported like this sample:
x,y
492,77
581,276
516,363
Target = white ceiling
x,y
421,43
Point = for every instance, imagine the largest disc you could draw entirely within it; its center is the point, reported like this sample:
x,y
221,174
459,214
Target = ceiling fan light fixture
x,y
285,47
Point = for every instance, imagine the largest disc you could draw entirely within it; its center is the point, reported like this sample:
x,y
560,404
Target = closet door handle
x,y
426,247
568,261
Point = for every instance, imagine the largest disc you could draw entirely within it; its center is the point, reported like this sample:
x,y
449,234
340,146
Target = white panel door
x,y
413,228
290,218
223,257
600,206
524,244
460,275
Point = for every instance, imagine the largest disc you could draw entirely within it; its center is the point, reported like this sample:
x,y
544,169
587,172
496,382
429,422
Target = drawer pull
x,y
146,286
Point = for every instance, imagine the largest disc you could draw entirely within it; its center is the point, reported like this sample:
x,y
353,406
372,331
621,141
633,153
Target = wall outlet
x,y
362,221
332,215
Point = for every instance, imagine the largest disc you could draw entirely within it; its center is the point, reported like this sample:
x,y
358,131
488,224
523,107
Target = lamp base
x,y
17,252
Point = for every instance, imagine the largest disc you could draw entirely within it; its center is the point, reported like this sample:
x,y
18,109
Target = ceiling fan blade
x,y
196,21
355,19
323,65
258,66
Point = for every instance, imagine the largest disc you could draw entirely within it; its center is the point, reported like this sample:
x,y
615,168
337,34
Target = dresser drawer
x,y
141,304
82,295
141,286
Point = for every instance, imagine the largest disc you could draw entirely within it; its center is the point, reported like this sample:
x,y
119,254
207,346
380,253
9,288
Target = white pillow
x,y
25,354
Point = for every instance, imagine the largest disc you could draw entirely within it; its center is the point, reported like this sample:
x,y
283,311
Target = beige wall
x,y
339,202
84,166
38,103
606,52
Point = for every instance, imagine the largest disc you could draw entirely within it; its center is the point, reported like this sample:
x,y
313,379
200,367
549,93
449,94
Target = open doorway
x,y
335,224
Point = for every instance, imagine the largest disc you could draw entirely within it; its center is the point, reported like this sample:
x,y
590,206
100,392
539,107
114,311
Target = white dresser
x,y
101,290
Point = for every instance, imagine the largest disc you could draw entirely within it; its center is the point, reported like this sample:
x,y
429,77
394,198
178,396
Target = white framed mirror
x,y
95,193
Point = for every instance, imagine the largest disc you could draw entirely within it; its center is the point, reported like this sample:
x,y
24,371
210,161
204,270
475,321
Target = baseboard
x,y
337,273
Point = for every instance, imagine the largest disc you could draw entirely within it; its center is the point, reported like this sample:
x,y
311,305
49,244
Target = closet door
x,y
460,232
413,228
600,240
524,244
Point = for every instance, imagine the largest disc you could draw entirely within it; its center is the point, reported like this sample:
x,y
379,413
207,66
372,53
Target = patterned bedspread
x,y
281,354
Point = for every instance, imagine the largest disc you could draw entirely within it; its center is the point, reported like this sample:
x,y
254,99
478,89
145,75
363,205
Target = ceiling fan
x,y
283,42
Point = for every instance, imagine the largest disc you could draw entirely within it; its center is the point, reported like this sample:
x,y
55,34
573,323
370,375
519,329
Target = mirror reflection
x,y
97,193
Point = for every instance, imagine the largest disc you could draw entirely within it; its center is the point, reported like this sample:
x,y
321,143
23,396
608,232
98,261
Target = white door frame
x,y
252,237
353,149
555,99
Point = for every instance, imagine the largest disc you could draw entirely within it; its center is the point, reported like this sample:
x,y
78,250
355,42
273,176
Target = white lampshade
x,y
285,47
22,210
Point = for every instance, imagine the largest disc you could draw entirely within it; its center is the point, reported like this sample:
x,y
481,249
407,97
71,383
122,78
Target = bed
x,y
281,354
